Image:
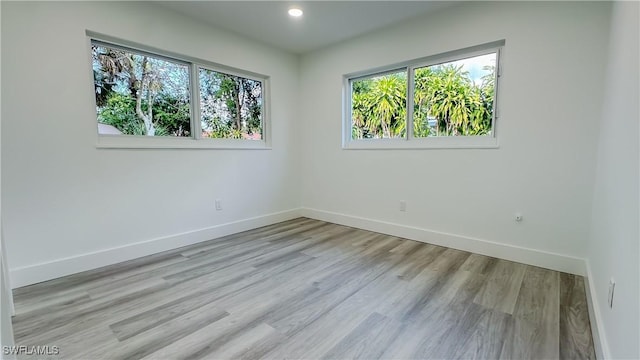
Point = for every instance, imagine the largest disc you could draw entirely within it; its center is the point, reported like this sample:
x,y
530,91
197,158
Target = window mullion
x,y
410,99
496,79
348,112
496,88
196,126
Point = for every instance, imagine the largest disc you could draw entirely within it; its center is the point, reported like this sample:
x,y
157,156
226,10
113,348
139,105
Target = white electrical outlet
x,y
218,204
403,205
612,287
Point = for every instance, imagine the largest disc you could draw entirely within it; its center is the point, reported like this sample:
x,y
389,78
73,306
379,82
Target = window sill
x,y
142,142
434,143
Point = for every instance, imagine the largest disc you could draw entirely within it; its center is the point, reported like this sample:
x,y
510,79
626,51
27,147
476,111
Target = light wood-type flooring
x,y
307,289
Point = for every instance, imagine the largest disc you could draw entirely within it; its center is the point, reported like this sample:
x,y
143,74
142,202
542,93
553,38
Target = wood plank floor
x,y
307,289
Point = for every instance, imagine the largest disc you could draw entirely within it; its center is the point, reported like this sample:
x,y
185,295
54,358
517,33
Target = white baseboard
x,y
548,260
36,273
595,317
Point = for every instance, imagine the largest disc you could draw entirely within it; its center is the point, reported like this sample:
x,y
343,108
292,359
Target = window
x,y
379,106
140,94
230,106
447,100
147,99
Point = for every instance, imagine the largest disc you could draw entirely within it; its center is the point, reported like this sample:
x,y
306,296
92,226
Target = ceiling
x,y
323,23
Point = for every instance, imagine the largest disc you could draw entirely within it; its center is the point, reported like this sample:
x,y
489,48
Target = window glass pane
x,y
230,106
379,106
455,98
138,94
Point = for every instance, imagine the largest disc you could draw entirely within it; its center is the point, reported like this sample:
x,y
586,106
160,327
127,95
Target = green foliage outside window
x,y
230,106
140,94
448,101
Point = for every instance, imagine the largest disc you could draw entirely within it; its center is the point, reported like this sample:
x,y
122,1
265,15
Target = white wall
x,y
549,102
6,300
63,198
614,241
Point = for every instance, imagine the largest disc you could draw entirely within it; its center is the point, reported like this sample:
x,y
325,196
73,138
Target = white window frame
x,y
195,141
409,141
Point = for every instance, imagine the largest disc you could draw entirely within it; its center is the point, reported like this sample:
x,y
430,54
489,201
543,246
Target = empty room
x,y
320,180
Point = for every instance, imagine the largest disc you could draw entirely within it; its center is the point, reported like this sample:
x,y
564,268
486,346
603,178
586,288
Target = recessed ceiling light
x,y
295,12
